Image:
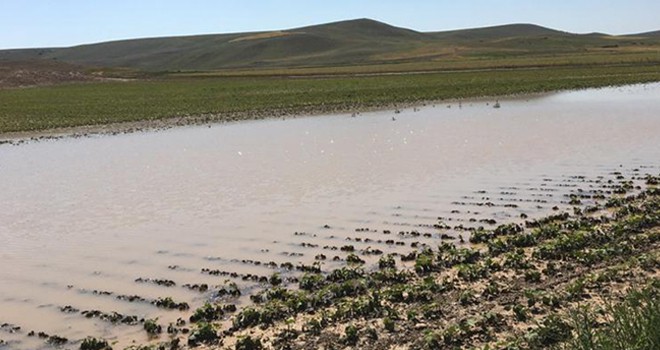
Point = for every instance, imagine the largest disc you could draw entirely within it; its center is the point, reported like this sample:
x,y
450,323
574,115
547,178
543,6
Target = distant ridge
x,y
502,31
359,41
648,34
363,27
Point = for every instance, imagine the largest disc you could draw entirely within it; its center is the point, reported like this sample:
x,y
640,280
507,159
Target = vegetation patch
x,y
168,101
94,344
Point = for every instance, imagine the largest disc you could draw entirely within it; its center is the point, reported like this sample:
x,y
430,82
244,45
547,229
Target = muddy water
x,y
82,219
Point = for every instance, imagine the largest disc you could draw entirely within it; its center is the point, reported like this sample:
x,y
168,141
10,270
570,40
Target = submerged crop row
x,y
585,280
529,293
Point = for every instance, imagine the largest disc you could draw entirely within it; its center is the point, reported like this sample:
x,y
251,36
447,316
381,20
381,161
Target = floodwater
x,y
82,219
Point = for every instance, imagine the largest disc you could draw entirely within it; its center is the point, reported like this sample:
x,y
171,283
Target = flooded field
x,y
98,234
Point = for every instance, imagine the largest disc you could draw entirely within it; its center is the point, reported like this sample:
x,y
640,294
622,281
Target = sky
x,y
57,23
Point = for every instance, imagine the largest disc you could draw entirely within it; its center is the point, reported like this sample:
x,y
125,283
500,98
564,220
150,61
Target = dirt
x,y
22,74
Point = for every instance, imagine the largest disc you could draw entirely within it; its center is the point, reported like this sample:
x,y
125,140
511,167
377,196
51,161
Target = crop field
x,y
207,99
452,62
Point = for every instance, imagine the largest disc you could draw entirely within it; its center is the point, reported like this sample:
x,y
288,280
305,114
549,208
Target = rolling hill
x,y
361,41
648,34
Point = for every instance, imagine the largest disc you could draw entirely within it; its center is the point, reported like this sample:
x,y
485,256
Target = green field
x,y
232,98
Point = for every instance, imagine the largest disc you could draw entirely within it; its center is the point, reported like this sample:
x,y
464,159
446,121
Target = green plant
x,y
207,313
248,343
533,276
523,240
313,326
275,279
152,327
575,290
54,340
492,289
550,332
350,335
532,296
388,324
310,281
205,333
467,297
452,335
520,312
371,334
432,340
169,303
424,262
246,318
354,259
431,311
386,262
411,315
472,272
94,344
516,259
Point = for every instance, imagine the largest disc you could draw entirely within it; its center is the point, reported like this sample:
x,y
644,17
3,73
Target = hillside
x,y
498,32
361,41
648,34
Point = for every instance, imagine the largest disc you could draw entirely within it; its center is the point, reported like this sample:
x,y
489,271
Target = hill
x,y
498,32
648,34
361,41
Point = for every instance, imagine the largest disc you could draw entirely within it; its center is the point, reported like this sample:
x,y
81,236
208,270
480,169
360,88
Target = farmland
x,y
222,99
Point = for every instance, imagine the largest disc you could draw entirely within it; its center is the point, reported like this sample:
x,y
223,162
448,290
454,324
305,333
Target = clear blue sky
x,y
48,23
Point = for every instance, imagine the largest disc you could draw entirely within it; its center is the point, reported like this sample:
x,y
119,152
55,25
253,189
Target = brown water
x,y
79,215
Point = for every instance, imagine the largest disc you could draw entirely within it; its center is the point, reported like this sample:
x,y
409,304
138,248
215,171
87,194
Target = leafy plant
x,y
424,262
551,331
275,279
388,324
248,343
466,297
386,262
207,313
94,344
152,327
205,333
350,335
354,259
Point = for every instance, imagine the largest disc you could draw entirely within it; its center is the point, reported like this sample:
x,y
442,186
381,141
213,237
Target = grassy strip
x,y
633,324
227,99
582,59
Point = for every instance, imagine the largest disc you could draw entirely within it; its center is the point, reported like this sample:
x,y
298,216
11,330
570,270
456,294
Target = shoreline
x,y
155,125
517,286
